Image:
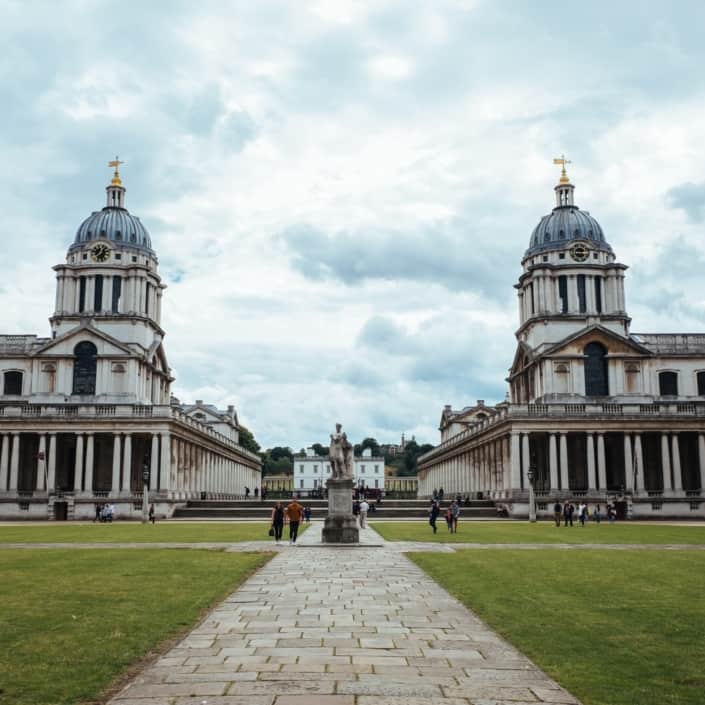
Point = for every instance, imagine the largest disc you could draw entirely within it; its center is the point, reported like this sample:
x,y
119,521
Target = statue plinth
x,y
340,525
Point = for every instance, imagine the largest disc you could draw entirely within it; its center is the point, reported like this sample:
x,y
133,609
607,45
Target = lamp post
x,y
532,497
145,487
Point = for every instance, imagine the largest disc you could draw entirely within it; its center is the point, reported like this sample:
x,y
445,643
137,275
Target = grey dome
x,y
563,226
116,224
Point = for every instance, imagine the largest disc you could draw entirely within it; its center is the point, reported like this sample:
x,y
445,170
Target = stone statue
x,y
341,455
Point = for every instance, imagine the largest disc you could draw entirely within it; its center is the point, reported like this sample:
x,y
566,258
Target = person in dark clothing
x,y
568,510
152,515
98,513
433,515
247,492
440,494
557,512
278,521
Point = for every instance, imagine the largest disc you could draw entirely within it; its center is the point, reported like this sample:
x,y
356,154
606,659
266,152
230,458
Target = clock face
x,y
100,253
579,252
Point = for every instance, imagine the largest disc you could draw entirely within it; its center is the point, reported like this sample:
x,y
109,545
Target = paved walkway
x,y
341,626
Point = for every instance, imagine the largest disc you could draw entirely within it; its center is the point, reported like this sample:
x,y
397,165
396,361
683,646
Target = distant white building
x,y
311,472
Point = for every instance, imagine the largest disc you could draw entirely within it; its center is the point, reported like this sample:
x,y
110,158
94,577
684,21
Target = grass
x,y
542,532
72,620
162,532
613,627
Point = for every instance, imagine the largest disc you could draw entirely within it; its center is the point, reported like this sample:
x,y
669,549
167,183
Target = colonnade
x,y
177,467
501,465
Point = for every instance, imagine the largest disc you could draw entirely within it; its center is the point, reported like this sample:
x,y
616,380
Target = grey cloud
x,y
448,255
690,198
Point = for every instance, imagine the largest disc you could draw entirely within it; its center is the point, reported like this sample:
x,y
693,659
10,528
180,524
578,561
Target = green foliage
x,y
72,620
134,532
278,461
247,440
318,449
541,532
613,627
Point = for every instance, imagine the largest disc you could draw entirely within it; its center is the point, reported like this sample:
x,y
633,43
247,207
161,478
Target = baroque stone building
x,y
596,412
87,414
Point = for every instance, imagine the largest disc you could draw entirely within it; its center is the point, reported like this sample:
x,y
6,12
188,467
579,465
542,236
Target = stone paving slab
x,y
342,626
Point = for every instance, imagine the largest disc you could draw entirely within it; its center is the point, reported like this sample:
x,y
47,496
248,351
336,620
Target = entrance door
x,y
61,511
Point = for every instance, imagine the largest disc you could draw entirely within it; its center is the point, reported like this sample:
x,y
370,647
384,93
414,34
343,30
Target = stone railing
x,y
83,411
585,410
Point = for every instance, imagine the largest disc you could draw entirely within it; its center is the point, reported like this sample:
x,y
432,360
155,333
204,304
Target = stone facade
x,y
312,471
598,413
86,413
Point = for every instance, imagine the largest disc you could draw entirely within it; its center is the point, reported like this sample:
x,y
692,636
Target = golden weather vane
x,y
114,164
563,161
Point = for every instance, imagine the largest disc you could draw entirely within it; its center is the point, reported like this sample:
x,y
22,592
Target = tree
x,y
372,444
247,440
318,449
279,452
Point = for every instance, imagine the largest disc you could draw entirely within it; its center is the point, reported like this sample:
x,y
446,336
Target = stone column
x,y
601,464
89,464
592,484
565,480
666,463
154,464
677,474
701,458
15,462
78,467
639,461
51,464
41,463
5,461
525,459
115,484
628,463
553,460
515,461
127,464
164,464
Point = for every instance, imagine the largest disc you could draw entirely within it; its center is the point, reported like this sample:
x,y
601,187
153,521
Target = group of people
x,y
360,511
293,514
450,514
568,510
104,513
262,495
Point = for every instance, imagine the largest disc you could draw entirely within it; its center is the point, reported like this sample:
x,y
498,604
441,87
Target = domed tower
x,y
110,285
571,278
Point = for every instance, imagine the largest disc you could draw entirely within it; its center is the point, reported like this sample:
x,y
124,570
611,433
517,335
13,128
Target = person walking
x,y
294,512
454,515
307,514
449,519
152,515
364,508
582,513
263,494
596,515
433,515
247,492
278,522
557,512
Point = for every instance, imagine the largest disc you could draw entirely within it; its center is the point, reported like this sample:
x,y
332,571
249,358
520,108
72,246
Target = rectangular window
x,y
598,294
563,293
98,293
146,299
81,294
582,301
701,384
301,468
376,483
377,468
315,469
301,484
531,298
117,293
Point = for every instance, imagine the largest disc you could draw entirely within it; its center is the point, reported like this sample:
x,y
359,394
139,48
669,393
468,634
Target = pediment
x,y
614,343
65,344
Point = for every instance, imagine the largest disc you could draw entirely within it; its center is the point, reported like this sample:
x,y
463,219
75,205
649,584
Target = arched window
x,y
12,383
84,368
596,370
668,384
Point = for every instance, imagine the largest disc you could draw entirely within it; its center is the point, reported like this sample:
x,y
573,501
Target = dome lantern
x,y
564,189
115,191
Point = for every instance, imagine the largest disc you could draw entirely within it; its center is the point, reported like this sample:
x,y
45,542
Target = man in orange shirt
x,y
294,512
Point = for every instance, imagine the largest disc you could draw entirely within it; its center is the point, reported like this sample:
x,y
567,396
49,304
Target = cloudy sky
x,y
340,192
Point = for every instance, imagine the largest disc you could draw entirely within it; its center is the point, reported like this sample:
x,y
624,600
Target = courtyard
x,y
615,618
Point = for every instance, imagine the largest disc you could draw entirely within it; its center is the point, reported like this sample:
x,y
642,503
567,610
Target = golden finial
x,y
114,164
563,161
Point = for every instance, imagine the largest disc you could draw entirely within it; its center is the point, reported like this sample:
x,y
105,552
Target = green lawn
x,y
72,620
613,627
542,532
169,532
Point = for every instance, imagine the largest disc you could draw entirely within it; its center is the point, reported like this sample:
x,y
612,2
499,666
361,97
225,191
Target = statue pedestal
x,y
340,525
